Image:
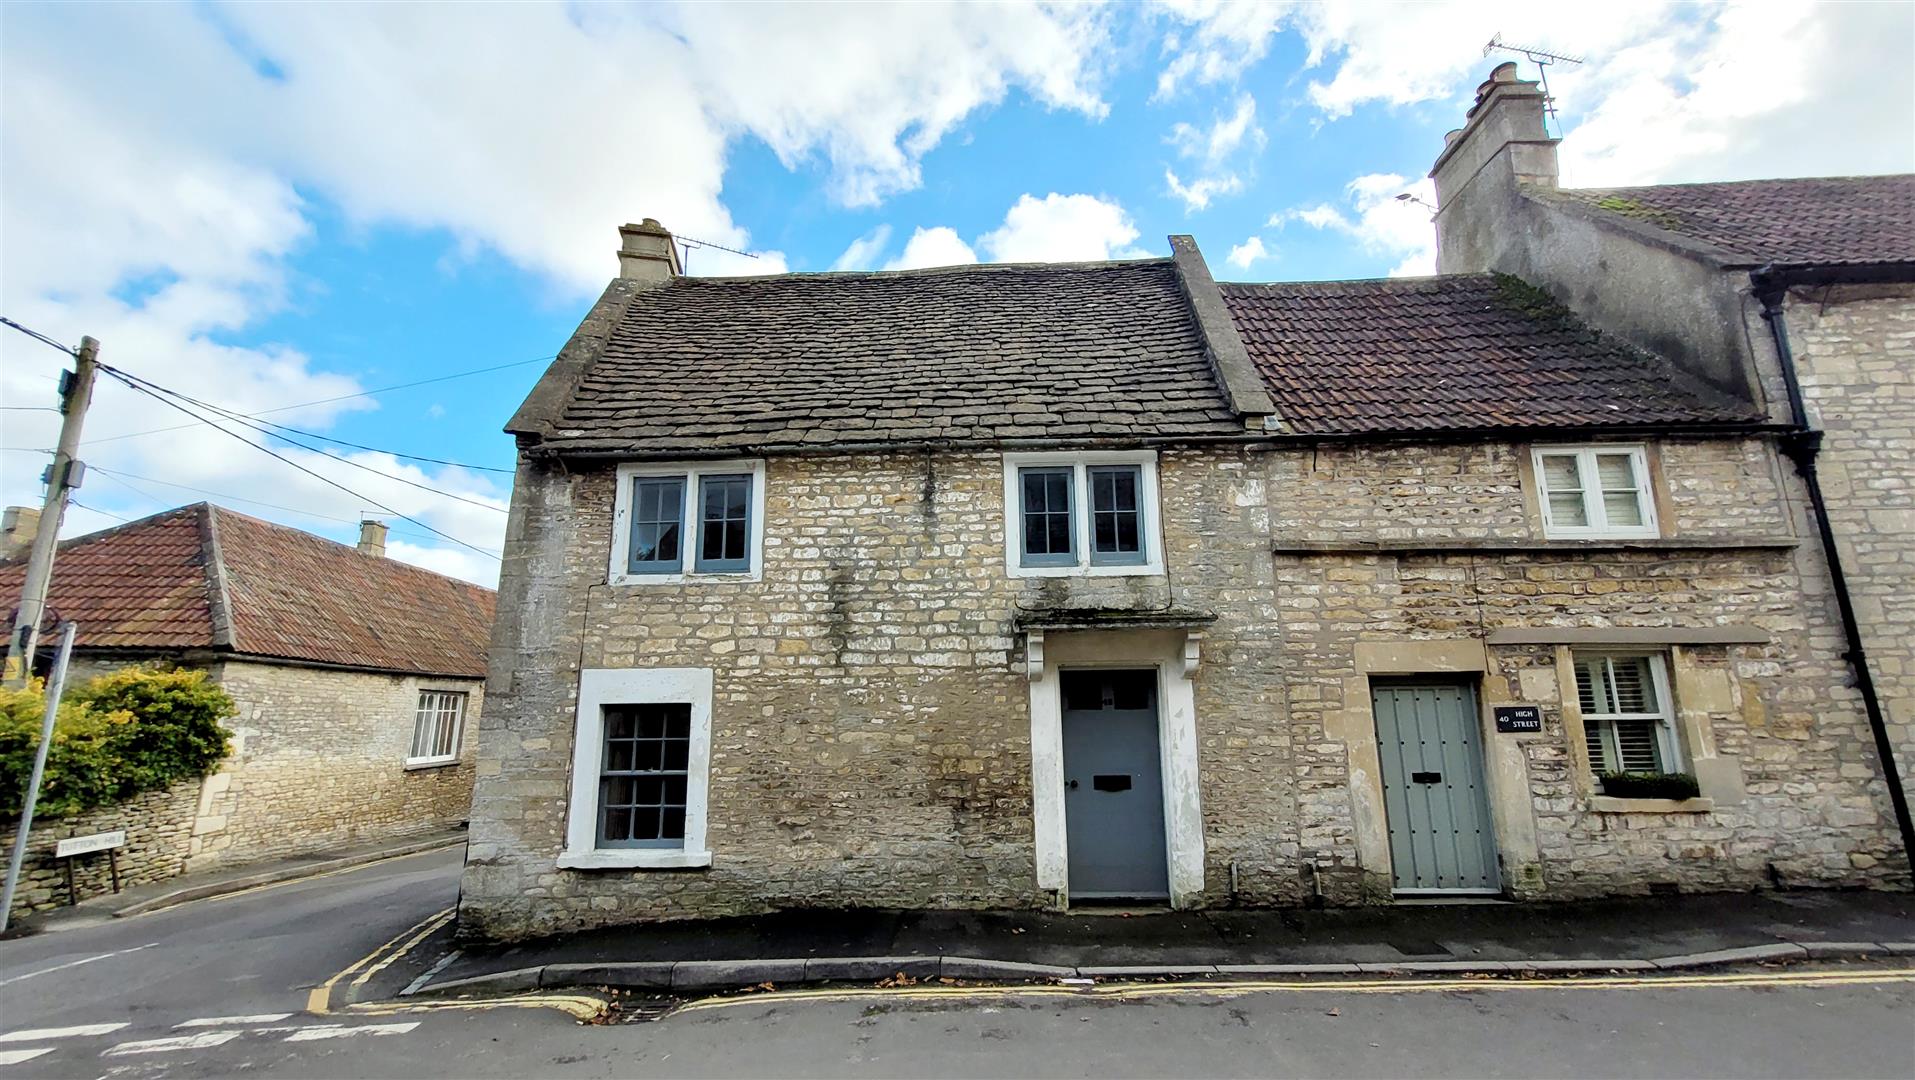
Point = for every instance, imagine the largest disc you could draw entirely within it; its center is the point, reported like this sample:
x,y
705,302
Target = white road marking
x,y
75,963
176,1042
229,1021
444,962
15,1057
339,1032
42,1034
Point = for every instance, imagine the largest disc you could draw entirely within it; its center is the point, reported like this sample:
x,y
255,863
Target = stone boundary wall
x,y
159,830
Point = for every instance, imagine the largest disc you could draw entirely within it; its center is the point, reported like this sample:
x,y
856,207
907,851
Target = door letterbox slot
x,y
1111,782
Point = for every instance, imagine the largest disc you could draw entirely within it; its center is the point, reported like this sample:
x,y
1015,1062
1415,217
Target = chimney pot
x,y
372,538
18,525
646,252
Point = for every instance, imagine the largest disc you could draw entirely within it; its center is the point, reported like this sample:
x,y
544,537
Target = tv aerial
x,y
1542,58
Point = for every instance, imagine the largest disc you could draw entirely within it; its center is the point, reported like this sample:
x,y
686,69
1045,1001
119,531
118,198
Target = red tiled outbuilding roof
x,y
204,577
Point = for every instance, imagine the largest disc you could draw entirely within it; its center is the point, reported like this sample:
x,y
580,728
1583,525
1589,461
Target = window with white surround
x,y
436,728
1627,719
1595,492
641,759
684,522
1084,513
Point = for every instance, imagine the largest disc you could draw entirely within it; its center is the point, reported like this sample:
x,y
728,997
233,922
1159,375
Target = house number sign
x,y
1518,718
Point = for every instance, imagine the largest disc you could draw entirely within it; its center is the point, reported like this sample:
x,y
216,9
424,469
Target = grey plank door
x,y
1434,796
1113,786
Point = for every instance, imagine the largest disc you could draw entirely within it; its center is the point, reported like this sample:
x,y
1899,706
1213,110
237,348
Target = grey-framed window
x,y
724,523
1628,725
643,775
1116,515
658,518
436,727
1045,506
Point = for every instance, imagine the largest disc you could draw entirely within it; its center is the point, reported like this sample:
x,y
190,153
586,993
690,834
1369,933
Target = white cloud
x,y
1211,149
1250,251
862,253
1216,40
1062,228
938,246
527,132
1198,193
1378,220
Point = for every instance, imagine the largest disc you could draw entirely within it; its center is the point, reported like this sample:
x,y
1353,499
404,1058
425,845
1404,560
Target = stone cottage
x,y
1797,295
1050,585
359,682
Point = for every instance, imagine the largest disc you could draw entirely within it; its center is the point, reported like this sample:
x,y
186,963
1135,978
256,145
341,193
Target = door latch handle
x,y
1071,784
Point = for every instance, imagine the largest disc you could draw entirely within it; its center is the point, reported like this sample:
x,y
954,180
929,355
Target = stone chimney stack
x,y
1501,147
18,526
646,253
372,538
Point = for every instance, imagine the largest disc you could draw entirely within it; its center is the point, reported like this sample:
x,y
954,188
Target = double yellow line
x,y
319,1001
1141,991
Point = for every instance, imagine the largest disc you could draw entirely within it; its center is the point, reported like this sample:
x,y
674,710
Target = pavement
x,y
1662,933
155,895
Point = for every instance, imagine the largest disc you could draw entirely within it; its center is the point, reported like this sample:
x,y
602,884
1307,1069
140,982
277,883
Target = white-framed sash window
x,y
641,763
1628,718
437,726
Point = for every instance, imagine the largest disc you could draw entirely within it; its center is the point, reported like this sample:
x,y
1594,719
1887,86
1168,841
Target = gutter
x,y
1771,285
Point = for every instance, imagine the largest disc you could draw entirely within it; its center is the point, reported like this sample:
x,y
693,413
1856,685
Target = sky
x,y
340,213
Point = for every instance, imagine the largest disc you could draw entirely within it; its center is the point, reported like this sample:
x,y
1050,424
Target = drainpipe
x,y
1802,445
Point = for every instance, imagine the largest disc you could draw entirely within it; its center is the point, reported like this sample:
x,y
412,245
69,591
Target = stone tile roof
x,y
1458,352
204,577
1817,221
977,355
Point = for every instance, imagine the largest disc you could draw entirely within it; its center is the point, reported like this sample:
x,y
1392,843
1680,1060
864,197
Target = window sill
x,y
416,764
715,578
1609,804
634,859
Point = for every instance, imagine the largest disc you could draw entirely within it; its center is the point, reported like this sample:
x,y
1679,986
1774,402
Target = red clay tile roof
x,y
1459,352
1817,221
157,583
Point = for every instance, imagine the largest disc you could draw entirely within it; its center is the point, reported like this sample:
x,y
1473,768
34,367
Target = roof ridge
x,y
349,548
111,530
219,600
1386,280
1744,182
921,271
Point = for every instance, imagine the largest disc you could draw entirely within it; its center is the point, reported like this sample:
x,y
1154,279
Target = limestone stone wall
x,y
159,827
319,761
872,727
871,741
1802,790
1855,353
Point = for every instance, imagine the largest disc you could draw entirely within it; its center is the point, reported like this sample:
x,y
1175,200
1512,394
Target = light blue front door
x,y
1113,786
1434,795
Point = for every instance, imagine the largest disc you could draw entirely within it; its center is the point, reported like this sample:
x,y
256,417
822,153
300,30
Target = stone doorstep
x,y
706,975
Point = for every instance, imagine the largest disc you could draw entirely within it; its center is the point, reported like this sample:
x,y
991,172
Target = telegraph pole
x,y
76,393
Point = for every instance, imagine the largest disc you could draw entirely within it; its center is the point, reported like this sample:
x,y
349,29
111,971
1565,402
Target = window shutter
x,y
1636,742
1635,691
1621,500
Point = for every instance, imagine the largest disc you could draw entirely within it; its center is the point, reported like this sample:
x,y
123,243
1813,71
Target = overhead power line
x,y
341,397
170,403
247,422
122,478
35,335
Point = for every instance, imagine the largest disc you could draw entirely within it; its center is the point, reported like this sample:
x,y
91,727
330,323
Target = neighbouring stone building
x,y
1015,586
358,679
1797,295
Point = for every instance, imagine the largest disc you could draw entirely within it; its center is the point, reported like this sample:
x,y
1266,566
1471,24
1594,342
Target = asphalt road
x,y
223,987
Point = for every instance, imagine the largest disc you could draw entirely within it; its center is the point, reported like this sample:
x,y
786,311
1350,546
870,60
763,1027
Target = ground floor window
x,y
1627,718
436,727
640,765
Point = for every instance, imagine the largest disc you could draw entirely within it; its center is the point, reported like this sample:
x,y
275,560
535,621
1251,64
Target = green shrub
x,y
1650,785
116,736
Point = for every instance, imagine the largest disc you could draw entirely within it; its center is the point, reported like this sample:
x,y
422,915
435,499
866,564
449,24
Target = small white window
x,y
1595,492
1627,719
640,764
682,522
1088,513
436,728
